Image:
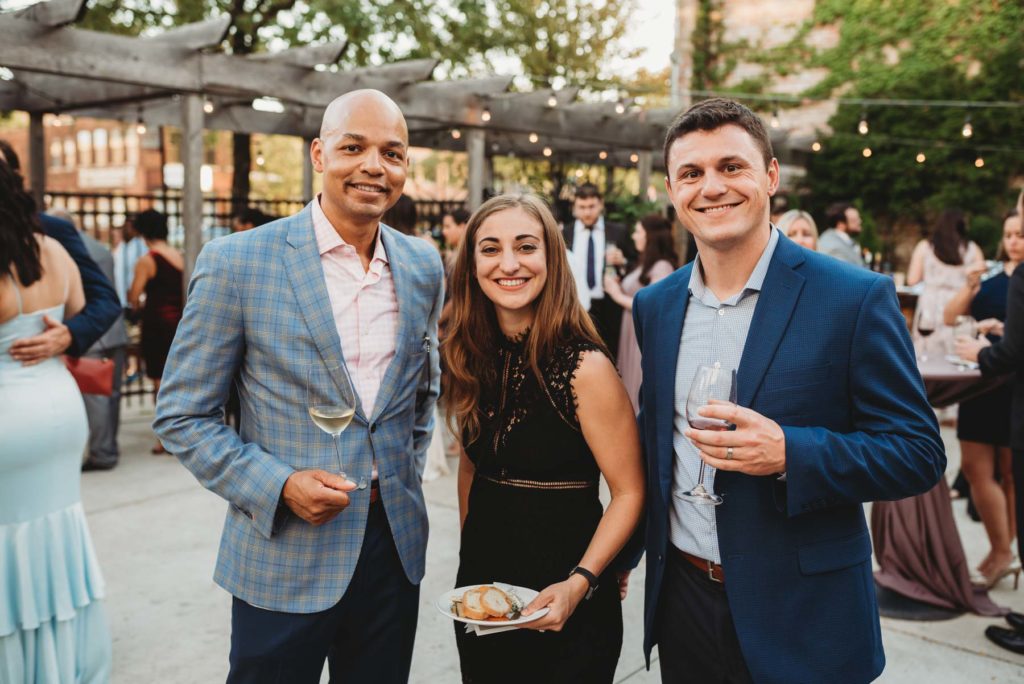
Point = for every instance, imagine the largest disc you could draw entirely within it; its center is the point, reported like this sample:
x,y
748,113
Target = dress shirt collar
x,y
327,238
754,283
598,226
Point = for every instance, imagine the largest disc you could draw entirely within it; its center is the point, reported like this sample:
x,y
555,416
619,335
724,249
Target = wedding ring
x,y
728,454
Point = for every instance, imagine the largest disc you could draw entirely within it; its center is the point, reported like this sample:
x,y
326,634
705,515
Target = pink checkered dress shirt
x,y
364,305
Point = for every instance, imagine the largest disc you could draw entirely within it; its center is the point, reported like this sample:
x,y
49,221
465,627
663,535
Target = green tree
x,y
916,50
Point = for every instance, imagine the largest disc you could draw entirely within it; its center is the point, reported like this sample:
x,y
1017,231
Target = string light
x,y
485,115
260,161
920,157
534,137
547,151
140,126
208,106
579,173
634,157
456,133
552,101
816,146
979,162
862,127
603,154
968,130
620,107
866,152
775,123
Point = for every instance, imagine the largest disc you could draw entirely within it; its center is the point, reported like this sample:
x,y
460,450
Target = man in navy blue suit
x,y
775,584
102,307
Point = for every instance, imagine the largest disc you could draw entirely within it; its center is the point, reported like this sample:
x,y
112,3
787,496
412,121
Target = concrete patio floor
x,y
156,532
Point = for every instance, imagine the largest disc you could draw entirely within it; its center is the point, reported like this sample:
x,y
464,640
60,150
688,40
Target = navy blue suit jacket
x,y
829,358
102,307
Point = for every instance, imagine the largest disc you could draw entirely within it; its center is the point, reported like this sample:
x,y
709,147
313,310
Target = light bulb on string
x,y
862,127
534,137
140,126
552,101
620,107
816,146
485,115
456,133
208,106
866,152
260,159
547,151
921,158
968,130
634,158
603,154
979,162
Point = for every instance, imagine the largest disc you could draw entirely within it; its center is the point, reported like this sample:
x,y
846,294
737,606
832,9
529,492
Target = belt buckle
x,y
711,572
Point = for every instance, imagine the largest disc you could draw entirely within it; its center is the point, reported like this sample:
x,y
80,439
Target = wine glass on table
x,y
927,322
329,410
711,384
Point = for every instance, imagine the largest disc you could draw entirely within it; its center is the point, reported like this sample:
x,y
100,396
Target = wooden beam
x,y
37,158
308,56
54,13
195,36
192,191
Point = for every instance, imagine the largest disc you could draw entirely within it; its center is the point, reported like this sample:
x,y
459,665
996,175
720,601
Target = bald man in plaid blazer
x,y
330,296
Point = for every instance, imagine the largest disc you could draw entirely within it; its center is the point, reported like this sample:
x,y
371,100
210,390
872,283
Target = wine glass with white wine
x,y
329,411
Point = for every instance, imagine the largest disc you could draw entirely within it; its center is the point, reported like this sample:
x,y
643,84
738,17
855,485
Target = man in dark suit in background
x,y
589,238
102,307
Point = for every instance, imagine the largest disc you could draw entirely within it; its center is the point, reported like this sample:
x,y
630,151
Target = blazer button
x,y
373,428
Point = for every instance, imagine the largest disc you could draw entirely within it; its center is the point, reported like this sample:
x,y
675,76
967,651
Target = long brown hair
x,y
661,245
950,237
473,333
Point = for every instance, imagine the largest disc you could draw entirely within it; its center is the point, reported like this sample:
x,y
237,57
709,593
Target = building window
x,y
85,148
56,154
99,146
116,147
69,153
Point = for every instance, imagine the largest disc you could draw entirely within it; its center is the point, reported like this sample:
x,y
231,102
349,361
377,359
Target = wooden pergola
x,y
178,78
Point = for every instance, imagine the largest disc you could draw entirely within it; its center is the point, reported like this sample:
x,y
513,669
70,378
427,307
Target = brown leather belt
x,y
374,492
712,570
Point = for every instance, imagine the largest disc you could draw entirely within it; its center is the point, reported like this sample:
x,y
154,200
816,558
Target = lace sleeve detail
x,y
558,378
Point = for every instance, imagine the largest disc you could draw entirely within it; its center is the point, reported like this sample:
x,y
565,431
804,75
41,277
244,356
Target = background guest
x,y
799,227
402,216
158,274
249,218
983,423
53,626
101,309
655,243
453,228
840,240
941,263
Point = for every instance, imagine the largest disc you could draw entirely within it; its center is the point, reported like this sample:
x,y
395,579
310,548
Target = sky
x,y
653,26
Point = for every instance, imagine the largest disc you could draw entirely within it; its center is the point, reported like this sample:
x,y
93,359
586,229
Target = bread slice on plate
x,y
495,602
472,604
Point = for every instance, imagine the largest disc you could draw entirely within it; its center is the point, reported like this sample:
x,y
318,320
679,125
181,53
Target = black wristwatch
x,y
587,575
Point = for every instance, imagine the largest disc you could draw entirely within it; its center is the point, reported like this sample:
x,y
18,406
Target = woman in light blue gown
x,y
52,625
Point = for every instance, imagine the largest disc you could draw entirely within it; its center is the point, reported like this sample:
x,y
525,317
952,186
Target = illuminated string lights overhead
x,y
547,152
921,157
456,133
634,157
485,115
552,101
862,126
866,152
208,106
603,154
979,162
968,130
534,137
816,146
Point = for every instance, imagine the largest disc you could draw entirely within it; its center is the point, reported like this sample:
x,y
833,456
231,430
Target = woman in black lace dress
x,y
543,415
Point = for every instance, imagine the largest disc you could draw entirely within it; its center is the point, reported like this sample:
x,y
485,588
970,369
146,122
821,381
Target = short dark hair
x,y
151,225
836,213
253,216
712,114
587,191
10,155
460,215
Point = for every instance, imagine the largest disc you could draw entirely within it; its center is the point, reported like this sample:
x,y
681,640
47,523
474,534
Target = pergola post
x,y
475,147
609,180
37,158
192,192
307,172
643,169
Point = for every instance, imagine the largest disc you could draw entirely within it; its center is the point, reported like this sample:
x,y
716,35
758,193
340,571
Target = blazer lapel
x,y
302,263
779,294
671,314
402,278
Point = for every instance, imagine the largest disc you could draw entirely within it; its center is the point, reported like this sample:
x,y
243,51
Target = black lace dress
x,y
533,509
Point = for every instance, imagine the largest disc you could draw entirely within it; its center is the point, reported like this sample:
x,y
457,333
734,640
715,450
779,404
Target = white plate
x,y
444,604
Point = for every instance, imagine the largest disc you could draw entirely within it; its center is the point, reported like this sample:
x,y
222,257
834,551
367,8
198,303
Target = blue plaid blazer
x,y
258,311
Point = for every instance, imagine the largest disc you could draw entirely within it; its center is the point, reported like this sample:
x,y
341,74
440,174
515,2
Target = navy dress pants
x,y
366,637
